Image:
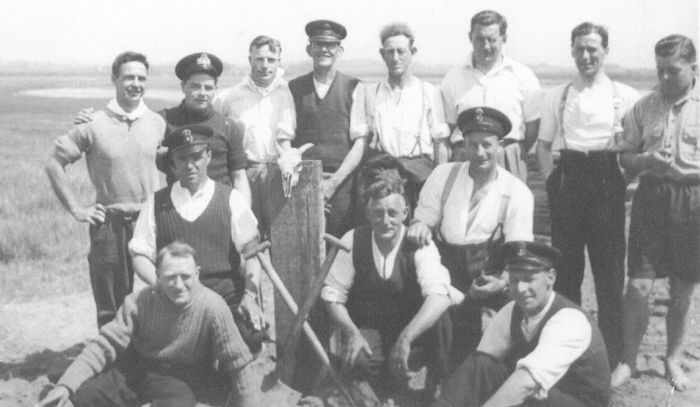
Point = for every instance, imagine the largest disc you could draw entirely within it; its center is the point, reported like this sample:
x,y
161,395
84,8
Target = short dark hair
x,y
174,249
384,183
590,28
126,57
262,40
395,29
488,17
676,43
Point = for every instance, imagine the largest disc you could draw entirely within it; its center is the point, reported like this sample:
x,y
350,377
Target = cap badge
x,y
204,60
187,134
326,27
479,115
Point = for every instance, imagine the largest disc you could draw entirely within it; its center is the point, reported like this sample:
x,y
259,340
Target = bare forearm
x,y
144,268
530,137
441,151
516,389
59,182
544,158
432,309
340,317
240,183
252,270
634,162
351,161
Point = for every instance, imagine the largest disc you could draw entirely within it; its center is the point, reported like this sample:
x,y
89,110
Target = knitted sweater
x,y
158,330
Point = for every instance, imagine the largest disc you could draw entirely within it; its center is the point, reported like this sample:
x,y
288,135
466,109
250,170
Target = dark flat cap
x,y
529,256
194,135
325,30
199,62
484,119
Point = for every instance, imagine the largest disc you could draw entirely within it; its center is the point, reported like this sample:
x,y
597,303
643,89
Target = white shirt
x,y
510,87
267,115
564,338
321,88
396,116
140,110
244,226
589,115
453,218
433,277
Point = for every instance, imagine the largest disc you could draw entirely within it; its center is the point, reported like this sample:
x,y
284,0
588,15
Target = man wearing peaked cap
x,y
323,100
468,208
540,348
199,62
210,216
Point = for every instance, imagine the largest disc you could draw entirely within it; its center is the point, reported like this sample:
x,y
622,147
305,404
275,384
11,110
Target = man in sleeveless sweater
x,y
539,350
120,145
209,216
161,347
578,126
386,295
462,207
323,100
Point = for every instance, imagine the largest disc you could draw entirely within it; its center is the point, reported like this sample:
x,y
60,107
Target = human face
x,y
530,290
481,148
324,53
130,85
263,65
386,215
397,53
675,75
487,43
177,277
589,54
190,166
199,91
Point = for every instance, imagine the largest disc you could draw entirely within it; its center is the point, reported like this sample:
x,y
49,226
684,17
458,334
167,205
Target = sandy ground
x,y
40,338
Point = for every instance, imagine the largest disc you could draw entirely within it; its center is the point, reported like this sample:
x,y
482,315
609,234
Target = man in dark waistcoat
x,y
211,217
386,297
323,101
539,350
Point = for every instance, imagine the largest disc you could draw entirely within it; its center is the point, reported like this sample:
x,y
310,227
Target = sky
x,y
92,32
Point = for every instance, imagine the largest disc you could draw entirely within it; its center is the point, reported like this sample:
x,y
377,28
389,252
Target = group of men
x,y
432,242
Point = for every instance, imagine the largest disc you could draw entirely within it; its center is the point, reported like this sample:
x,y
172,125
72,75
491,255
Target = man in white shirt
x,y
386,294
263,104
492,79
211,217
471,206
578,125
539,350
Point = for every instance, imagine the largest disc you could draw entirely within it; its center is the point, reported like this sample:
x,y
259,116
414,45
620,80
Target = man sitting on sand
x,y
161,346
539,350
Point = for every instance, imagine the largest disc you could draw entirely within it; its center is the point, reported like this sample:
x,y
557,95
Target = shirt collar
x,y
207,189
140,110
276,83
506,62
394,250
410,81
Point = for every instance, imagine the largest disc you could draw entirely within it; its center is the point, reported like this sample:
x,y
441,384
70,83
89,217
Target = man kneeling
x,y
539,350
161,346
386,294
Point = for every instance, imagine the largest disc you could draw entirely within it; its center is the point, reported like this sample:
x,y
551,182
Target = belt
x,y
508,141
597,160
690,180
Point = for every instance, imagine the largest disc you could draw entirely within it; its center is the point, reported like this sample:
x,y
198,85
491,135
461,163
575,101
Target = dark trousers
x,y
133,382
111,272
259,188
480,376
587,209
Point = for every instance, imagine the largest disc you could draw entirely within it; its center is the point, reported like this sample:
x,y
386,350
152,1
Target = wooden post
x,y
298,250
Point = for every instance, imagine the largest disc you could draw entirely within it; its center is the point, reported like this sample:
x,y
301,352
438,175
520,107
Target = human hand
x,y
251,311
419,234
659,162
356,344
328,186
91,214
398,357
57,397
84,116
486,285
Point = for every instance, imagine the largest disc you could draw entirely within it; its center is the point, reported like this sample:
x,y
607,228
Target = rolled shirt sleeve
x,y
439,129
244,225
341,275
287,124
429,208
433,277
549,115
519,213
532,96
563,340
143,242
69,147
359,123
632,136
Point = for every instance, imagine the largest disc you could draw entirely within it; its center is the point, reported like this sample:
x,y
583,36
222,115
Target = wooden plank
x,y
298,250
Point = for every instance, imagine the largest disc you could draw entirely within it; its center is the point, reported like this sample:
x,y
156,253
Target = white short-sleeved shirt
x,y
267,114
510,87
564,338
397,116
589,115
244,226
433,277
453,218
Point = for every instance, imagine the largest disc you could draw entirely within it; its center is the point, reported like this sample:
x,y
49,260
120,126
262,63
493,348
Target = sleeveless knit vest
x,y
209,235
588,378
385,305
323,122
